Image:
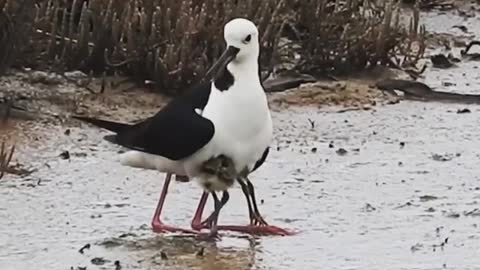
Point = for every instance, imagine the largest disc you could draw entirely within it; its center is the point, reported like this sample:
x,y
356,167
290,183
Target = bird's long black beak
x,y
218,67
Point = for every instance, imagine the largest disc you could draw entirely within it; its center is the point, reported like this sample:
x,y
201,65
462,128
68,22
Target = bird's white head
x,y
241,36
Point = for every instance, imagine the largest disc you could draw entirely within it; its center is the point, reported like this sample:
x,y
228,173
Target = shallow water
x,y
380,206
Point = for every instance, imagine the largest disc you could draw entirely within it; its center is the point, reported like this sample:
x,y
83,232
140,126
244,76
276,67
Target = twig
x,y
58,37
469,46
5,159
131,59
8,110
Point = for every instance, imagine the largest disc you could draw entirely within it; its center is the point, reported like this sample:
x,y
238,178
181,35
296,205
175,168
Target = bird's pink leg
x,y
256,229
197,219
157,224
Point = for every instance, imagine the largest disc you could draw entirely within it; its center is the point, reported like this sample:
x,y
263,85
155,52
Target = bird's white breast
x,y
243,125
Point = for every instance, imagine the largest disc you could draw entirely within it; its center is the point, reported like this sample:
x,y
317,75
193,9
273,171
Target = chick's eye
x,y
247,39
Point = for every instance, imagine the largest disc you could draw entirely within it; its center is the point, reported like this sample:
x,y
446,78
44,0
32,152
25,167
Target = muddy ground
x,y
369,183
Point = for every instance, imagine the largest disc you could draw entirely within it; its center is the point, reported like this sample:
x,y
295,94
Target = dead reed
x,y
172,42
5,158
348,36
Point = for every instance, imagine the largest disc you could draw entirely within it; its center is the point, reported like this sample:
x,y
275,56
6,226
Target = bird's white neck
x,y
247,69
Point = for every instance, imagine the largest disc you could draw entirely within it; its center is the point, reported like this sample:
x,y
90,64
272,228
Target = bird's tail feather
x,y
109,125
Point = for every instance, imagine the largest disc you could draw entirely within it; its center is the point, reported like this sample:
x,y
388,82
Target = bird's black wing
x,y
261,160
175,132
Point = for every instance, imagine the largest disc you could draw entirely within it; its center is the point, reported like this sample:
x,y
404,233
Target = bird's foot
x,y
208,223
257,220
256,229
159,227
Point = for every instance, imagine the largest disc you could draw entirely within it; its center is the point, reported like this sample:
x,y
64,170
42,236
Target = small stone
x,y
465,110
76,75
416,247
98,261
447,84
341,151
117,265
441,61
45,78
426,198
201,252
462,28
438,157
453,215
369,208
65,155
163,255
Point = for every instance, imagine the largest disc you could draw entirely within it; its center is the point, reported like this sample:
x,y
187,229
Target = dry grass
x,y
166,41
348,36
6,156
172,42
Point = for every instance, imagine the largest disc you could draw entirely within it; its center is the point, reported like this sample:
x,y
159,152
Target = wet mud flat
x,y
388,187
393,188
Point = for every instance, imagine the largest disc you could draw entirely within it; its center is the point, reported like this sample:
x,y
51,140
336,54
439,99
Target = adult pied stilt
x,y
227,116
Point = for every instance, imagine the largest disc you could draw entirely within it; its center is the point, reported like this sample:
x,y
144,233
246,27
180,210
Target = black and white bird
x,y
228,115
